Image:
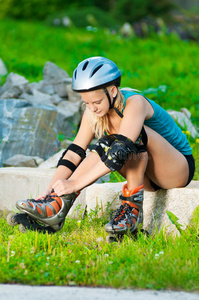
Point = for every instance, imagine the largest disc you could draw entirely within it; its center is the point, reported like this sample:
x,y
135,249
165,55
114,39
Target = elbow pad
x,y
65,162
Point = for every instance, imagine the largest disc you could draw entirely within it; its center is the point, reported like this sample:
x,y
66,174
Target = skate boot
x,y
46,215
128,215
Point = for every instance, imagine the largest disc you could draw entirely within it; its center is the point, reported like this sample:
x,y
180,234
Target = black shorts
x,y
191,163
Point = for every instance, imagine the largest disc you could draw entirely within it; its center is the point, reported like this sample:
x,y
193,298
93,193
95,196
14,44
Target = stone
x,y
127,30
15,84
68,118
52,161
186,112
57,77
22,183
47,88
37,98
180,201
3,69
184,122
72,96
30,182
27,130
53,74
56,99
20,160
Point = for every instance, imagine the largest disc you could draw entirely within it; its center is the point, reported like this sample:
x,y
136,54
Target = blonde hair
x,y
100,125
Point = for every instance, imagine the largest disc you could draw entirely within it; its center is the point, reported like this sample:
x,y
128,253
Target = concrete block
x,y
23,183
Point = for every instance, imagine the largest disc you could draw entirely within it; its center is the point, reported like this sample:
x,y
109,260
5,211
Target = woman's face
x,y
97,101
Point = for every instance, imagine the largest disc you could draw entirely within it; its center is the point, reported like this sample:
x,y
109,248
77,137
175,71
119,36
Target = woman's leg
x,y
162,164
166,167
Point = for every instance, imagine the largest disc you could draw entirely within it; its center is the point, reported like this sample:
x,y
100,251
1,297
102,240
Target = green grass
x,y
79,255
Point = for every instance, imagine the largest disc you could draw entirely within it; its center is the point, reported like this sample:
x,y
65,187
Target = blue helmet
x,y
95,73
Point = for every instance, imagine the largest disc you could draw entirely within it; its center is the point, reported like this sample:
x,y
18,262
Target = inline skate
x,y
44,215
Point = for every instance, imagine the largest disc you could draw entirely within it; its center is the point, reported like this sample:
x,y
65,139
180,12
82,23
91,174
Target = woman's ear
x,y
114,91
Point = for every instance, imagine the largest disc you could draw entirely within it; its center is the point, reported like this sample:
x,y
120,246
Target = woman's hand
x,y
63,187
43,195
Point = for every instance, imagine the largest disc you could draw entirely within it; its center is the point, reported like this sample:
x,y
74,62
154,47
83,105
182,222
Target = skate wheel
x,y
11,219
111,238
114,238
22,228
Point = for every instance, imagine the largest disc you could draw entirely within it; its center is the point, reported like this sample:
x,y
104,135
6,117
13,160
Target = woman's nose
x,y
92,108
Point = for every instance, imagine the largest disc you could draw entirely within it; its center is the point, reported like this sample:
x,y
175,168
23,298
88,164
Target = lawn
x,y
80,255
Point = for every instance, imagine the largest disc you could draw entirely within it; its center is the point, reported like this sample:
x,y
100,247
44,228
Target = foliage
x,y
124,10
79,255
86,16
138,9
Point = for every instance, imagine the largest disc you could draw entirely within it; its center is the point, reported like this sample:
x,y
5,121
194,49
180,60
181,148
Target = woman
x,y
136,137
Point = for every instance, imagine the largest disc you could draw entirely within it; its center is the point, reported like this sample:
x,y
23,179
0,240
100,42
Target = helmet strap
x,y
109,98
111,105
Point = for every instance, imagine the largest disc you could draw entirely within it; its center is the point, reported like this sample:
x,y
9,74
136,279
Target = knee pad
x,y
102,145
119,152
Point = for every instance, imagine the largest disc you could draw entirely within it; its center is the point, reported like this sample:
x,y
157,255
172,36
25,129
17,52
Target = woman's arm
x,y
91,169
137,110
82,139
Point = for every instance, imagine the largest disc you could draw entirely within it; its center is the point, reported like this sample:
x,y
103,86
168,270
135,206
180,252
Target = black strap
x,y
144,136
109,98
67,163
130,144
77,149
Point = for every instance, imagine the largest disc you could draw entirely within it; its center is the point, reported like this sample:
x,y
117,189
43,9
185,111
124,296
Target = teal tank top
x,y
162,123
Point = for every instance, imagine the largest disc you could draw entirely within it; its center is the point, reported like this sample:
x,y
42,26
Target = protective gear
x,y
118,153
95,73
65,162
129,214
103,145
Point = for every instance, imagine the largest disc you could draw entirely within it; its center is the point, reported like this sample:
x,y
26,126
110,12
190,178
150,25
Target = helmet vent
x,y
85,65
95,70
75,74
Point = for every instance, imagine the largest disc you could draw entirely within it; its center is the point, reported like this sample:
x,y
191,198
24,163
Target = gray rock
x,y
15,84
186,112
47,88
27,130
35,86
72,96
37,98
52,161
53,74
20,160
68,118
181,202
57,77
127,30
184,121
55,99
3,69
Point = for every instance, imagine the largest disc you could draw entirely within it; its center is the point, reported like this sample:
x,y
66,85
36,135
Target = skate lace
x,y
121,213
46,199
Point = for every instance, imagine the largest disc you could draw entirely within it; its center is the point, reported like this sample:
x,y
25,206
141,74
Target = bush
x,y
124,10
135,10
87,16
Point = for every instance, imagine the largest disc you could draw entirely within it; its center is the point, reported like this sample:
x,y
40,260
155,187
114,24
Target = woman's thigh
x,y
167,167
